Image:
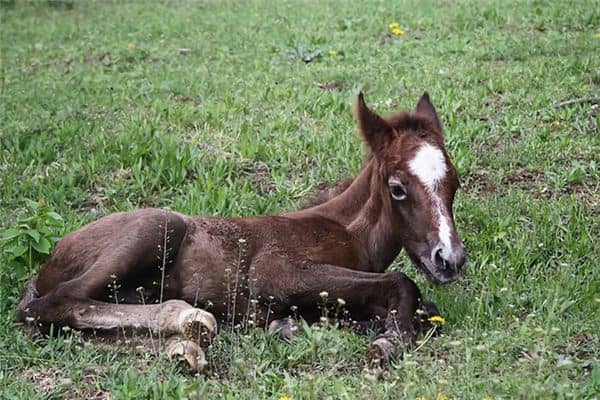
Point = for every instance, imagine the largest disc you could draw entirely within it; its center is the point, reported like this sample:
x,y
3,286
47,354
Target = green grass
x,y
101,111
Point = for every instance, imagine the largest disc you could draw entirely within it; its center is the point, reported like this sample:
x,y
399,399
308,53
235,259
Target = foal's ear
x,y
376,131
424,106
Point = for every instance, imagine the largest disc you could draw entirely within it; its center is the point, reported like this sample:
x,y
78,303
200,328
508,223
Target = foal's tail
x,y
29,294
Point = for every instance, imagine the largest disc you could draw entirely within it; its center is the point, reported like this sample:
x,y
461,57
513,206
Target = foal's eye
x,y
397,191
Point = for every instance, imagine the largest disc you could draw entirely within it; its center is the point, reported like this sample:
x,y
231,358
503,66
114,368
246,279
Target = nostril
x,y
462,260
459,258
440,260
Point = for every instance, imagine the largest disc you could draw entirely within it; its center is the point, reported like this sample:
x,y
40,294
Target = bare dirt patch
x,y
260,176
590,196
44,380
196,100
535,183
49,380
478,181
530,181
334,86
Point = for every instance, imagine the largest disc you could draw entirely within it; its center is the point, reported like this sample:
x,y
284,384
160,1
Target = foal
x,y
170,268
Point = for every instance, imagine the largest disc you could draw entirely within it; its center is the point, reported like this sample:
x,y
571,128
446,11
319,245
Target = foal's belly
x,y
211,269
224,262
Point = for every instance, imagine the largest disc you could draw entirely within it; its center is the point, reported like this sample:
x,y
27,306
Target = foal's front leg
x,y
392,296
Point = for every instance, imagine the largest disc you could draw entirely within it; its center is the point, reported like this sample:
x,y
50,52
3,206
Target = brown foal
x,y
170,268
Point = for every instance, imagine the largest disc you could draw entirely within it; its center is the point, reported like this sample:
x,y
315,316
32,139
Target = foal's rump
x,y
111,249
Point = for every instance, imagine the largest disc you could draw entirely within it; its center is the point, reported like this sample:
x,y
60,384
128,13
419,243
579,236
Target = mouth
x,y
438,275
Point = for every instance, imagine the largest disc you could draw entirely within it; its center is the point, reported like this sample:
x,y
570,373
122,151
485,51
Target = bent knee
x,y
406,286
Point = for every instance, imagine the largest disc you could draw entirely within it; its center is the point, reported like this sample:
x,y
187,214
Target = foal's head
x,y
417,182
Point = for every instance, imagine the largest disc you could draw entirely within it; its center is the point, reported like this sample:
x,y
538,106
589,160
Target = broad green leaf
x,y
34,234
18,251
32,204
11,233
54,216
43,246
20,270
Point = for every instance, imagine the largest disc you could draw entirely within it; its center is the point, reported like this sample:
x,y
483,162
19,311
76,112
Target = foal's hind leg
x,y
188,328
173,317
125,248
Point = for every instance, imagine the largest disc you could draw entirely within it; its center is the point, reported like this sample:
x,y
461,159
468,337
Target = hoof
x,y
284,328
423,322
188,353
382,351
198,326
430,308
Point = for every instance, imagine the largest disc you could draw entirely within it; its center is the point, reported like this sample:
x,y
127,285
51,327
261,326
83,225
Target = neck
x,y
365,214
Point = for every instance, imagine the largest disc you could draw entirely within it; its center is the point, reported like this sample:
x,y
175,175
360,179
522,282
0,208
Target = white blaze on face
x,y
429,165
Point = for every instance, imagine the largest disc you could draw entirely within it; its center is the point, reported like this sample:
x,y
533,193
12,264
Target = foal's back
x,y
170,255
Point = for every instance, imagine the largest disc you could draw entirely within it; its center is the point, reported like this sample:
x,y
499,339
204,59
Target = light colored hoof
x,y
187,352
382,351
198,325
284,328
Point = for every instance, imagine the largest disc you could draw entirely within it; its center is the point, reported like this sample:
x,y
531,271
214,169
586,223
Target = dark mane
x,y
325,192
414,122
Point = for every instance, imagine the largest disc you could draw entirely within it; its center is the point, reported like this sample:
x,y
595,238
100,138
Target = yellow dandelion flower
x,y
597,35
555,124
332,53
131,46
441,396
285,398
205,34
437,319
394,25
397,31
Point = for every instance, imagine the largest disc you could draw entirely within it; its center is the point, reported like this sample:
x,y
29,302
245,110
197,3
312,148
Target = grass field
x,y
218,107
